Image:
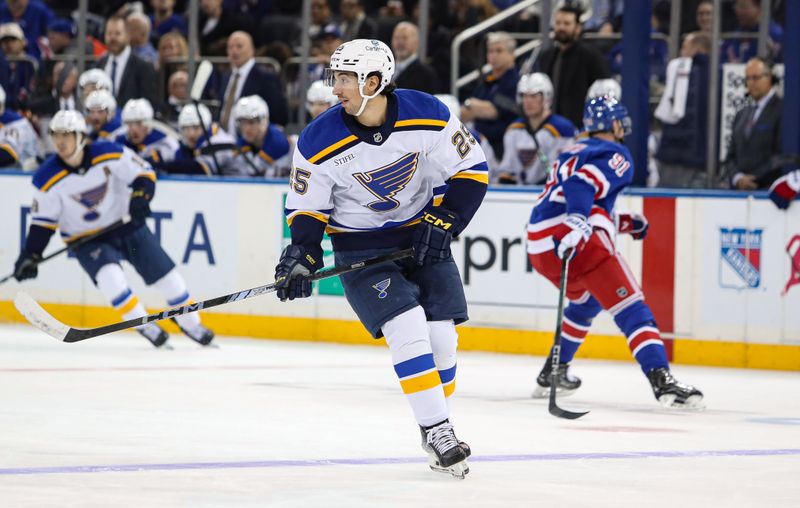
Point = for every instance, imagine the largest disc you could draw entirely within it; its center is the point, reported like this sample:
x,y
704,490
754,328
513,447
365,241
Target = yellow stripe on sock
x,y
421,383
449,388
133,302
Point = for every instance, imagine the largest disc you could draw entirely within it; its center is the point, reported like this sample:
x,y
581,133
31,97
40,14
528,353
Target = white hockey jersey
x,y
156,147
19,137
357,179
85,201
271,160
529,159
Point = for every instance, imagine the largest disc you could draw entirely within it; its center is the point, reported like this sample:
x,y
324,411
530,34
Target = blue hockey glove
x,y
434,233
635,224
139,207
291,274
27,266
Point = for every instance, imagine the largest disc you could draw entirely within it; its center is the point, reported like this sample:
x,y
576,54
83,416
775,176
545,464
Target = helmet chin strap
x,y
365,98
75,158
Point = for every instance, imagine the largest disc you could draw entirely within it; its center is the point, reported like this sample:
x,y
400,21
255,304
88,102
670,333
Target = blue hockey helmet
x,y
599,114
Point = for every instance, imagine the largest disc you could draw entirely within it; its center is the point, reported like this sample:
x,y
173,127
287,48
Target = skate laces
x,y
442,437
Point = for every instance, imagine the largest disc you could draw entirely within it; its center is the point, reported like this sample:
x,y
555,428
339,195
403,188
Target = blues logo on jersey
x,y
388,180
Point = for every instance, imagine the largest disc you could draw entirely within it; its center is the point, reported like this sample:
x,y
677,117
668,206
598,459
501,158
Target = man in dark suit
x,y
571,64
756,133
410,71
131,77
245,78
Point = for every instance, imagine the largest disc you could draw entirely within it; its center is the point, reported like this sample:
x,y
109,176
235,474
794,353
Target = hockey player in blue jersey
x,y
534,141
382,171
148,141
263,149
85,188
574,216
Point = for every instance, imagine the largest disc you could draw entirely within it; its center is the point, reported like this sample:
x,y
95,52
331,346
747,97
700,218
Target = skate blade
x,y
692,403
543,392
458,470
165,346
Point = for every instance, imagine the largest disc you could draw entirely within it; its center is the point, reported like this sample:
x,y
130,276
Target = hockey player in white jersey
x,y
197,154
533,142
103,116
319,98
147,140
91,80
368,171
85,188
263,149
19,144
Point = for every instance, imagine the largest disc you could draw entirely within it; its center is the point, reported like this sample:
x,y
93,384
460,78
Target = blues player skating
x,y
574,215
382,171
85,188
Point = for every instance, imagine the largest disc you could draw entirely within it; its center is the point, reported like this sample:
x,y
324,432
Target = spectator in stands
x,y
571,64
492,106
21,71
131,77
171,45
410,71
164,19
139,30
756,133
704,16
33,16
61,34
320,16
246,78
355,24
63,95
748,16
178,95
216,24
325,43
657,52
683,112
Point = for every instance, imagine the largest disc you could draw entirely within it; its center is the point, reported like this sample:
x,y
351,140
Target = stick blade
x,y
39,317
561,413
200,80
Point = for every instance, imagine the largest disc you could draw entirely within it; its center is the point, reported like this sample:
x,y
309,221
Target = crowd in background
x,y
142,47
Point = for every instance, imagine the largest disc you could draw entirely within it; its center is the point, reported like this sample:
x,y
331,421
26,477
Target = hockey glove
x,y
434,233
291,274
139,207
571,236
27,266
635,224
785,189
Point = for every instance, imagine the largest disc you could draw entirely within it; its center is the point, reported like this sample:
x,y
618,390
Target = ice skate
x,y
566,384
156,336
671,393
198,333
446,454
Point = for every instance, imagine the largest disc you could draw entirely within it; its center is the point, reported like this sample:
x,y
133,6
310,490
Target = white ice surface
x,y
208,428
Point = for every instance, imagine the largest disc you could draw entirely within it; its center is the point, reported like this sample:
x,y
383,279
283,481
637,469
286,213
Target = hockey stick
x,y
199,84
78,243
556,353
42,320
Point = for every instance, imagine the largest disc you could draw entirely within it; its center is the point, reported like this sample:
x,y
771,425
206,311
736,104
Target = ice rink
x,y
112,422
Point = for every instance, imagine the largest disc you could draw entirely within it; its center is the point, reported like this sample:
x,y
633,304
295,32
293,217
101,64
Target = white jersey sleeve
x,y
311,191
458,153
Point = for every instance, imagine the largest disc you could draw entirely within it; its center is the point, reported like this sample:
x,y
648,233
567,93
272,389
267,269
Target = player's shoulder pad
x,y
518,123
419,111
325,136
154,135
562,125
9,116
121,139
101,151
276,144
50,172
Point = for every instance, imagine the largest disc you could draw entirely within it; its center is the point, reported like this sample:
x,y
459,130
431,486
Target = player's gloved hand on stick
x,y
571,236
291,274
783,191
139,207
27,266
635,224
434,233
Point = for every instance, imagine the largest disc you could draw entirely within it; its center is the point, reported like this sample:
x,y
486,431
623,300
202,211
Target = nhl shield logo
x,y
381,288
740,258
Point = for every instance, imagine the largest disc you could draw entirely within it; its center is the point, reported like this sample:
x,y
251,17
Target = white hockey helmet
x,y
96,77
137,110
538,82
362,57
68,121
251,107
320,92
188,116
101,99
451,102
604,88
